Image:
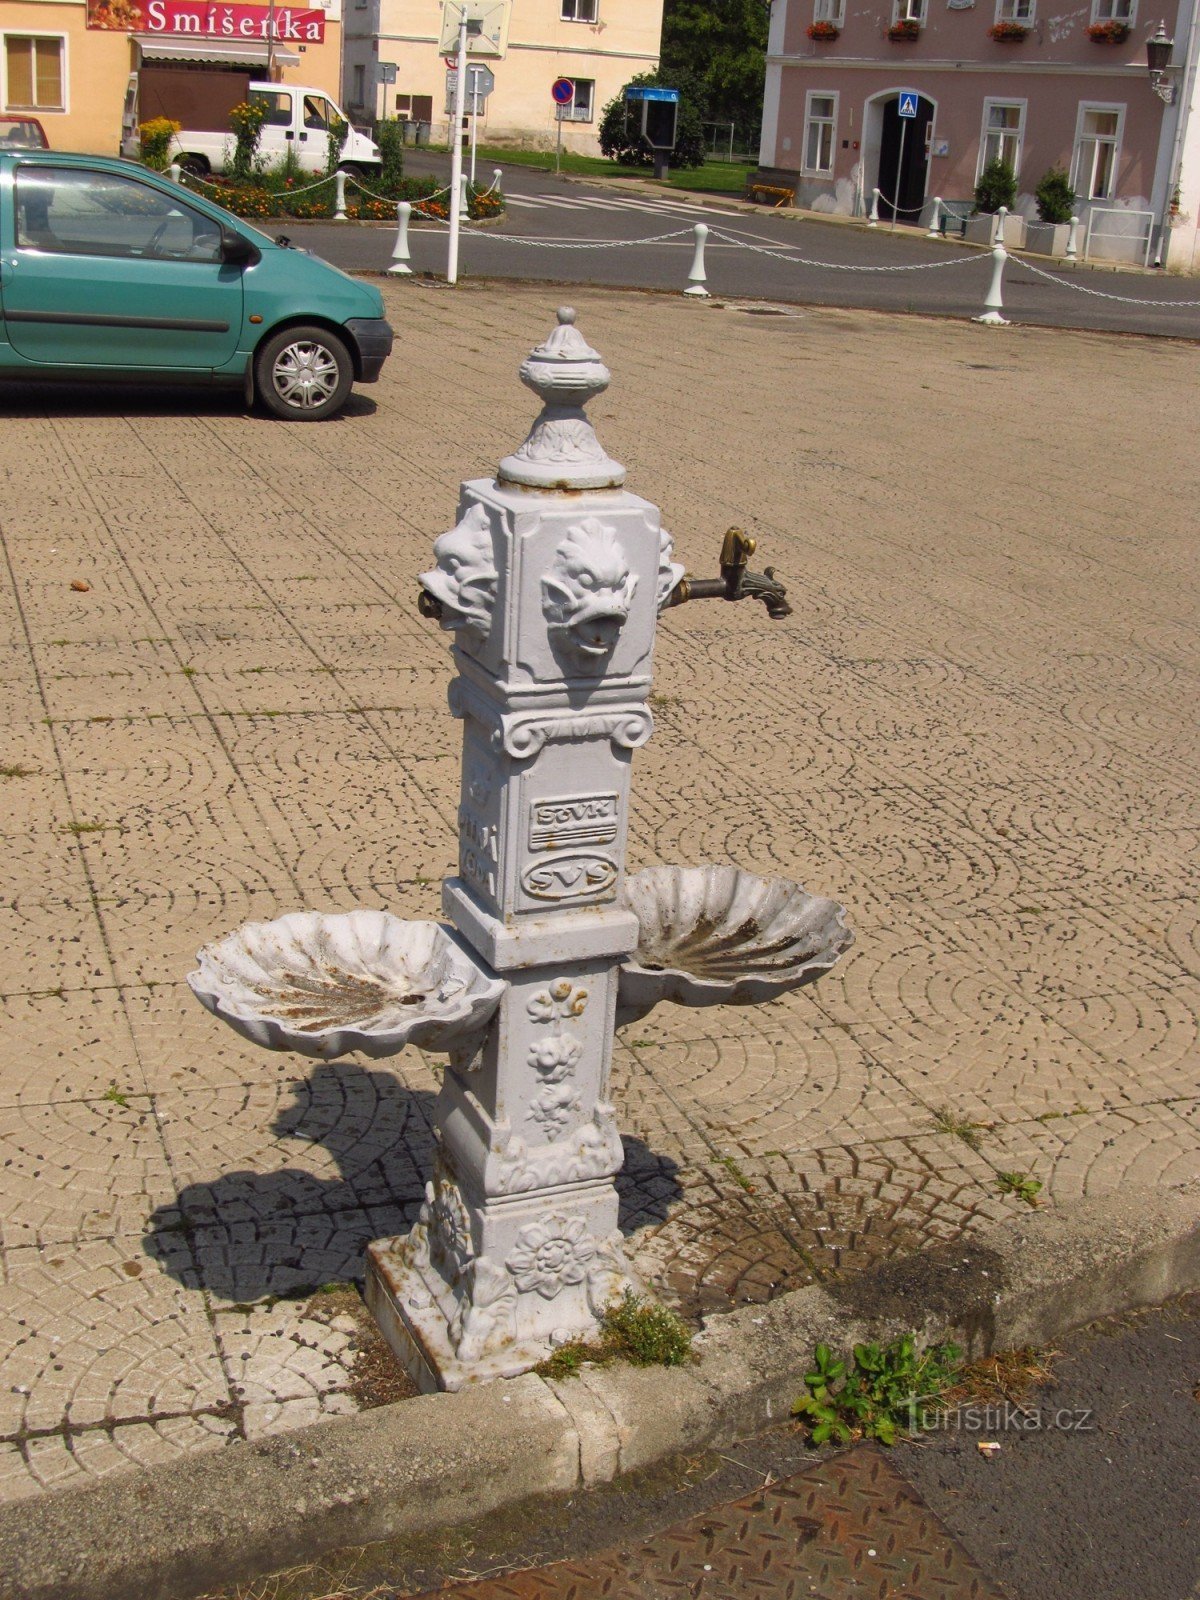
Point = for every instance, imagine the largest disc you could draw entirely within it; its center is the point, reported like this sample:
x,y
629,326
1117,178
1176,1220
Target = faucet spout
x,y
736,582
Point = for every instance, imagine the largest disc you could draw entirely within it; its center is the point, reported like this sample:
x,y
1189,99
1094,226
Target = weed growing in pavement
x,y
1021,1184
91,827
632,1329
880,1391
947,1121
16,770
115,1096
736,1173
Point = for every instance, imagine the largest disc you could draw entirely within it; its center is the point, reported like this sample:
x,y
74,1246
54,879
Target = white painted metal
x,y
400,255
696,274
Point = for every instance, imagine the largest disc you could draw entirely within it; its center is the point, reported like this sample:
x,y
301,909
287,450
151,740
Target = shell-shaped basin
x,y
712,936
327,983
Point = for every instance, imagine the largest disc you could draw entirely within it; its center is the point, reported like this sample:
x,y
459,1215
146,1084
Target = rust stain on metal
x,y
851,1526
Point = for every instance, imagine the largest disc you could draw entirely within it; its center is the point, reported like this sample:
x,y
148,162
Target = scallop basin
x,y
713,936
328,983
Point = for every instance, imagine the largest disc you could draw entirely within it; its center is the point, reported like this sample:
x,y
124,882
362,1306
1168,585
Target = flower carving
x,y
560,1001
551,1256
555,1057
553,1106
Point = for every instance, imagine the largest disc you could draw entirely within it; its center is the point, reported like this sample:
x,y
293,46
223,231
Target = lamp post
x,y
1158,59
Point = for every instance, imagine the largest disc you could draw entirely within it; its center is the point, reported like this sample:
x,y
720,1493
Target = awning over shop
x,y
226,52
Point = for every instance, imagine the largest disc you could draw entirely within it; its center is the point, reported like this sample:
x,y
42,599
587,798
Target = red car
x,y
22,133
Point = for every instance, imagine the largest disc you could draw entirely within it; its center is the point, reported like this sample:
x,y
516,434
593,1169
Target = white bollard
x,y
1001,219
339,184
463,208
496,176
400,255
1072,240
994,301
873,217
175,172
935,218
696,274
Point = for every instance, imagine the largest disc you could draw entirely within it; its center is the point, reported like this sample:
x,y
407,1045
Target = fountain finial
x,y
562,450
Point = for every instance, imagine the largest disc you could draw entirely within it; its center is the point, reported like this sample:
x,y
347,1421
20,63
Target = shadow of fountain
x,y
284,1232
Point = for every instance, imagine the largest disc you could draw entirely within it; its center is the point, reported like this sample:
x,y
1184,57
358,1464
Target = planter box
x,y
982,230
1047,238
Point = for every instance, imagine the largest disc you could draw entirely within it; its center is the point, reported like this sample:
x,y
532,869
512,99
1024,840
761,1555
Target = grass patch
x,y
714,177
947,1121
634,1329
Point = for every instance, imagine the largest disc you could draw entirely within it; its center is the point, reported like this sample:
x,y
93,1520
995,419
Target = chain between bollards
x,y
400,255
696,274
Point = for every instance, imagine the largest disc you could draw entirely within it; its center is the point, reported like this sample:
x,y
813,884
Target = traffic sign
x,y
387,72
563,91
908,103
481,81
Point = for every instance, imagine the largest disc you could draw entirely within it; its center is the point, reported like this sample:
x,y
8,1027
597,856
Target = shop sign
x,y
207,19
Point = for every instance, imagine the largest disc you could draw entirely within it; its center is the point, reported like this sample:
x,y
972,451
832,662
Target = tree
x,y
620,125
719,46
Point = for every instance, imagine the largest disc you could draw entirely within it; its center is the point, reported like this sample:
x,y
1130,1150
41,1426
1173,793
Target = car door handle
x,y
290,134
304,136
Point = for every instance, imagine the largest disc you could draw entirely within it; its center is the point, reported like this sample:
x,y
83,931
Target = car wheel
x,y
352,170
303,374
194,166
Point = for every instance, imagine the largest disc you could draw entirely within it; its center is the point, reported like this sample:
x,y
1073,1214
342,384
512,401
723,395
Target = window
x,y
580,109
828,11
910,11
359,92
1097,145
820,114
1003,131
1014,11
81,213
279,107
579,10
1113,10
318,113
34,69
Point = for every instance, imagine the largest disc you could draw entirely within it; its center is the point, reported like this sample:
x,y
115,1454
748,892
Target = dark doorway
x,y
902,172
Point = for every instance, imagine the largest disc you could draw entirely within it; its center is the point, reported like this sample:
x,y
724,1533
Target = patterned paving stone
x,y
101,1333
81,1169
973,733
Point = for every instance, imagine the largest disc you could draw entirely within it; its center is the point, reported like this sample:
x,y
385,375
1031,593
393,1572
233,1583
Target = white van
x,y
298,118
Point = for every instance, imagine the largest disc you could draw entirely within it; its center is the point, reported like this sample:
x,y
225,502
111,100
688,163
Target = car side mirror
x,y
236,249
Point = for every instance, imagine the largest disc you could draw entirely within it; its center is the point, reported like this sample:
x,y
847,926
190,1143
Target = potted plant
x,y
1108,32
997,187
1055,200
1008,32
905,29
823,32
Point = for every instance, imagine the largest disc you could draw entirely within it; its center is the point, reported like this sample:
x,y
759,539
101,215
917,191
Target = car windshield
x,y
21,133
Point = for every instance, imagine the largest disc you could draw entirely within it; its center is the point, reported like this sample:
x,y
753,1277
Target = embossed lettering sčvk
x,y
580,820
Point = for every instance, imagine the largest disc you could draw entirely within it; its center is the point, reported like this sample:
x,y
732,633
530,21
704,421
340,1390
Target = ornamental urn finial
x,y
562,450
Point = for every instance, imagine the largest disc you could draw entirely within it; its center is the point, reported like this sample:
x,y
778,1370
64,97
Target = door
x,y
106,271
279,130
903,160
317,116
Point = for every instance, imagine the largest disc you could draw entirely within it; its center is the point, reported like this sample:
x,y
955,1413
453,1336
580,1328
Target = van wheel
x,y
303,374
194,166
352,170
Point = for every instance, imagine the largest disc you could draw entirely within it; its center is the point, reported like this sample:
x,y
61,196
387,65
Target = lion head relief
x,y
464,580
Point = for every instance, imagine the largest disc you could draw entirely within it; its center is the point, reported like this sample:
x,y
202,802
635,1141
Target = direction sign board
x,y
908,103
563,91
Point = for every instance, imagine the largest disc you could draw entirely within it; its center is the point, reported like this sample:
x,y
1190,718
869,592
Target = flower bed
x,y
1008,32
904,31
288,197
823,32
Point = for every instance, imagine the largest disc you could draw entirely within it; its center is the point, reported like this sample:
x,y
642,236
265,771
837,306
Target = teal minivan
x,y
111,272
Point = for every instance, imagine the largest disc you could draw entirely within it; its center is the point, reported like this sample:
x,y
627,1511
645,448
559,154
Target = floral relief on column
x,y
555,1056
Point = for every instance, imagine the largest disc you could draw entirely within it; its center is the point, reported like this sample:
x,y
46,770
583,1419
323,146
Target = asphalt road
x,y
563,231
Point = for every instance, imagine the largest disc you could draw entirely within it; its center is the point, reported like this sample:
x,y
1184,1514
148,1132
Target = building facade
x,y
69,62
598,44
1040,88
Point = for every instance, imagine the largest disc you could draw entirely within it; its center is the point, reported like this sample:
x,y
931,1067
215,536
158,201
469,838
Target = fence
x,y
1120,242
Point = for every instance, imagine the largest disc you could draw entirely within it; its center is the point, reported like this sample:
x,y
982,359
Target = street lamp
x,y
1158,60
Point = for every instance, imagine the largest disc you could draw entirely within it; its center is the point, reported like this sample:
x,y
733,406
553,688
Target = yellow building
x,y
598,44
68,62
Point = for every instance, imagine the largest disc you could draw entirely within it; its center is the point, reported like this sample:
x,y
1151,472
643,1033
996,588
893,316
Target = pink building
x,y
1040,86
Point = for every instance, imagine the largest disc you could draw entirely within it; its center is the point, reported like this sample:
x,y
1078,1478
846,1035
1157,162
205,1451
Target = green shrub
x,y
997,186
880,1391
388,137
1055,196
154,139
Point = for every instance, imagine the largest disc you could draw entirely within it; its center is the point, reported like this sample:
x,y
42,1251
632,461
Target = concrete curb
x,y
166,1533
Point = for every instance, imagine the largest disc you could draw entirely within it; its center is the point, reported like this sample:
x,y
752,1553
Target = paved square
x,y
978,729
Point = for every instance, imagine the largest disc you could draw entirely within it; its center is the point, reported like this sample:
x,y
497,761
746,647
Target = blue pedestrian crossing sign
x,y
908,102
